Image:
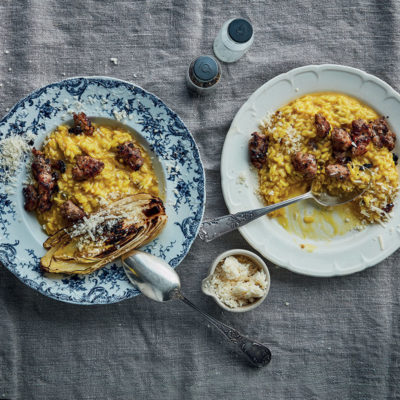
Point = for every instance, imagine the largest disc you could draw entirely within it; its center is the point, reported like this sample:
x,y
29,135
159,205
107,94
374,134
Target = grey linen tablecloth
x,y
330,338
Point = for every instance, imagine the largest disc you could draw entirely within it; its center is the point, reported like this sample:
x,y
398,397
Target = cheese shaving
x,y
381,243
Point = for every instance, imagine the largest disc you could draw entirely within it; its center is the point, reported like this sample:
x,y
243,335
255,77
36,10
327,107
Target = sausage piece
x,y
40,163
130,155
361,136
322,125
31,198
337,171
82,124
341,140
381,134
47,186
71,212
47,180
86,167
258,148
306,164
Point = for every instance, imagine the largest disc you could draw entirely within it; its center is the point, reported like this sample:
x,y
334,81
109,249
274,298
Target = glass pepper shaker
x,y
203,75
233,40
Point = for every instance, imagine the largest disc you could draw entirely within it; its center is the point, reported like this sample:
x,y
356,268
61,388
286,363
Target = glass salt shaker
x,y
203,75
233,40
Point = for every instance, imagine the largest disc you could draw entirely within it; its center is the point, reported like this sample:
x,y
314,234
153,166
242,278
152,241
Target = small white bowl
x,y
236,252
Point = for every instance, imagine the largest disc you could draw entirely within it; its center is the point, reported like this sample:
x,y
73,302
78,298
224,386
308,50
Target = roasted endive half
x,y
105,235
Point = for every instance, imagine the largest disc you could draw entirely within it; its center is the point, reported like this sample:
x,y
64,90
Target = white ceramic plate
x,y
344,254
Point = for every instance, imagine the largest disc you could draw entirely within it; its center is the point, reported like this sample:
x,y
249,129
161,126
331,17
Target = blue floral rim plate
x,y
177,163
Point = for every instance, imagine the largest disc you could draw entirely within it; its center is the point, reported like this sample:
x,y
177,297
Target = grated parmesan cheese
x,y
242,179
266,122
120,115
292,139
95,226
237,283
12,151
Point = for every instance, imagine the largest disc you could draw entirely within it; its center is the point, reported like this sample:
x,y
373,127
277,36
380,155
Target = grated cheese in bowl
x,y
237,281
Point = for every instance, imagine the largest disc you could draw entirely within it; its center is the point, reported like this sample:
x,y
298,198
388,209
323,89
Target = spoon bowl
x,y
328,200
151,275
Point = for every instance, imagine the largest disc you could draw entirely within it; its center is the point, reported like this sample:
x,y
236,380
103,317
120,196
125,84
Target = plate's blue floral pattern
x,y
39,113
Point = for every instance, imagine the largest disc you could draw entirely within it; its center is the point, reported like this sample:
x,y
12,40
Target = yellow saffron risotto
x,y
292,129
114,181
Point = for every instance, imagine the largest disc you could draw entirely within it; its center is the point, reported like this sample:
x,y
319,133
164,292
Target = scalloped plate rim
x,y
244,231
13,109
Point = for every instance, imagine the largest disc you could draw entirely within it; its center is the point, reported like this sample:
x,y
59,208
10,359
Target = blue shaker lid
x,y
240,30
205,68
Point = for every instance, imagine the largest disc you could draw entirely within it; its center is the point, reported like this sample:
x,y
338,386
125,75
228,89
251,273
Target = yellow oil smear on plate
x,y
309,221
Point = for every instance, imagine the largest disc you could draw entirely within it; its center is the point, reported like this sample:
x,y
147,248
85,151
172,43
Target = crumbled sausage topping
x,y
338,171
130,155
322,125
71,212
381,134
361,136
258,148
86,167
82,124
46,179
306,164
341,140
31,198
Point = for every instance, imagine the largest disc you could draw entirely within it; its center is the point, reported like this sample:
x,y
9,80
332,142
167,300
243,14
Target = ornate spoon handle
x,y
214,228
256,353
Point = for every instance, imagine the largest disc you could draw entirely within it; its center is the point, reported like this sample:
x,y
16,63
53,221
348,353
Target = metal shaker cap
x,y
205,68
240,30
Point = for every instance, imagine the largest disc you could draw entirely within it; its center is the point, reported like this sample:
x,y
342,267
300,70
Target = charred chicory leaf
x,y
95,241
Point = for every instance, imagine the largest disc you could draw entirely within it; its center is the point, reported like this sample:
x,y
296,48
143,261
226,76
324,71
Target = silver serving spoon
x,y
158,281
214,228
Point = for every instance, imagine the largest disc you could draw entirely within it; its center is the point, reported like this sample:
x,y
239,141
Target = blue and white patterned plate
x,y
178,165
